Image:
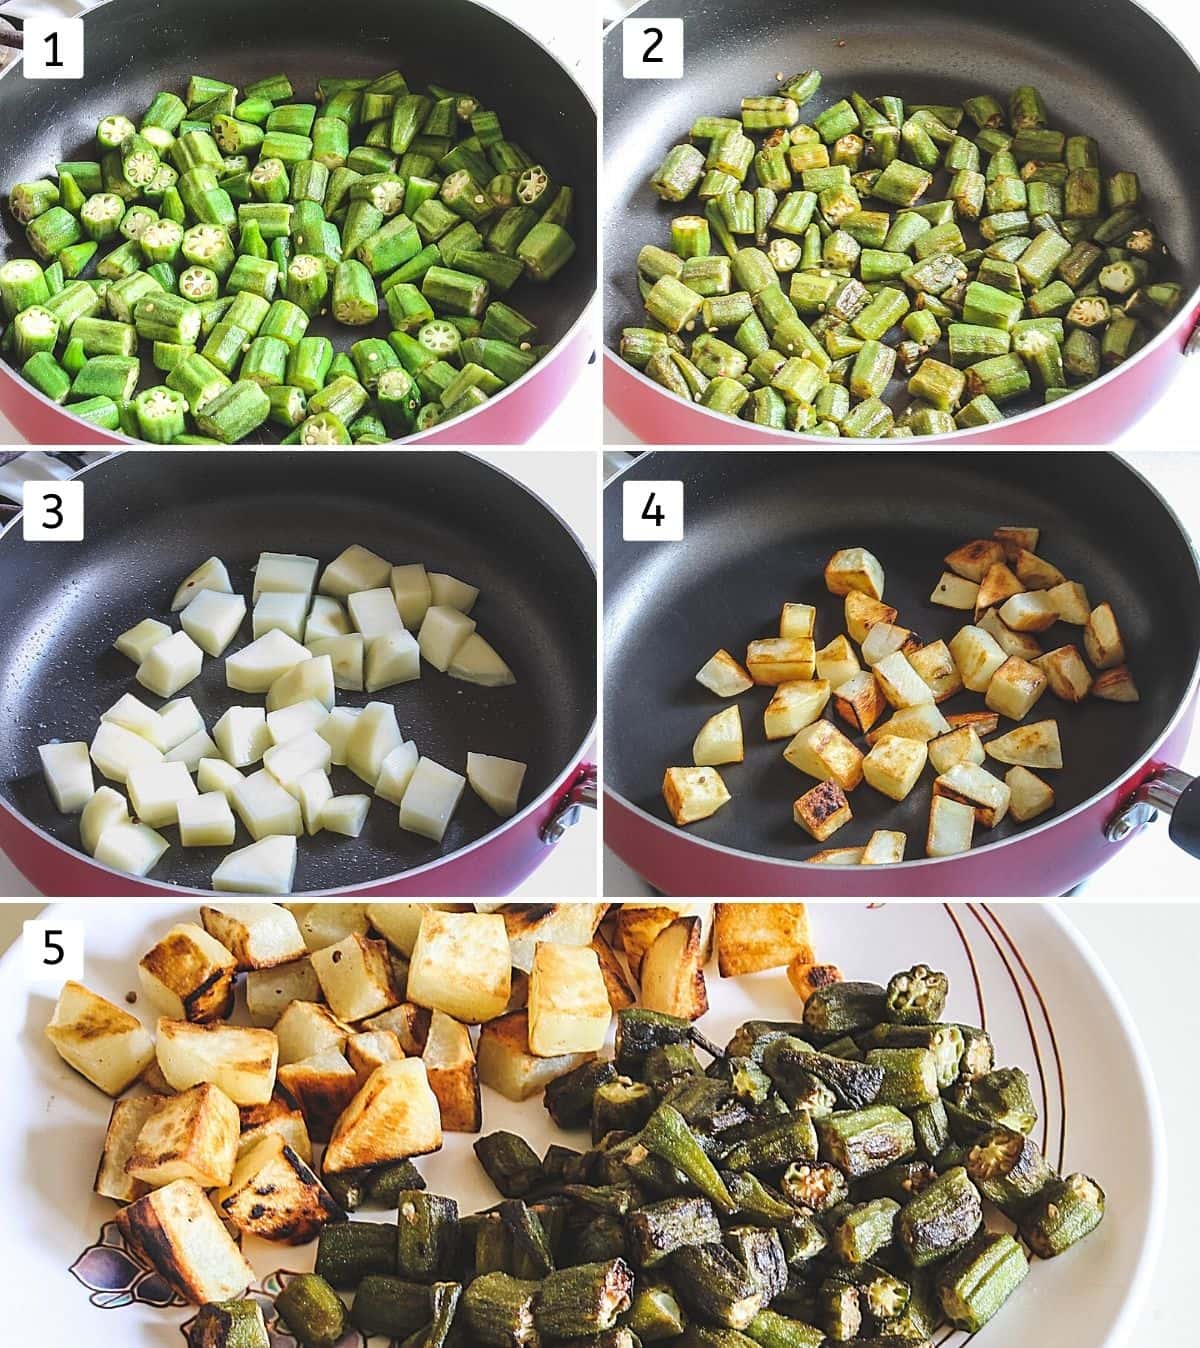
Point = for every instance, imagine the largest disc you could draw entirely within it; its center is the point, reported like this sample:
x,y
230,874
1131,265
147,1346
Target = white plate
x,y
1019,969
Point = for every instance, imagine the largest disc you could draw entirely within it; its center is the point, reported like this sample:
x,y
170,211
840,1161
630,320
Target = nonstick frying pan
x,y
1105,67
152,516
759,528
136,47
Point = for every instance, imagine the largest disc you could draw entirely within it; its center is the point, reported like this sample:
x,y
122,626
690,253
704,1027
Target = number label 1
x,y
53,48
53,512
653,512
652,49
53,950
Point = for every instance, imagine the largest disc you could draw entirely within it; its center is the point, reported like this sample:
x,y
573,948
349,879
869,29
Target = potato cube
x,y
286,572
1070,602
532,924
209,575
178,720
374,613
886,639
133,714
265,808
923,723
955,746
299,719
616,980
409,1023
372,1048
1034,572
901,684
1015,536
133,849
346,655
955,592
67,769
1029,796
306,1028
277,610
355,977
322,1087
837,662
936,666
287,763
448,592
569,1011
862,613
170,665
392,659
672,971
854,569
894,764
951,825
310,678
1102,638
398,767
430,799
793,706
141,639
775,660
638,927
461,964
693,793
1031,746
257,935
323,924
973,560
265,867
751,937
372,737
240,1060
188,975
1015,688
117,751
192,750
982,722
860,701
1029,612
822,811
1066,673
825,753
453,1074
126,1121
270,991
1010,642
102,1042
977,656
395,1115
104,807
337,731
443,631
807,978
212,620
242,735
276,1118
192,1135
412,592
346,815
719,740
257,666
274,1195
496,781
1113,685
326,618
354,570
507,1065
477,661
988,796
797,620
885,847
998,585
156,789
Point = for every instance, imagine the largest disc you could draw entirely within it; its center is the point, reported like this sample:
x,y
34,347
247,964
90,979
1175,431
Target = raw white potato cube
x,y
326,618
170,665
256,667
337,731
355,977
951,826
310,679
133,848
257,935
775,660
212,620
265,867
242,735
462,965
104,808
412,592
102,1042
862,613
392,658
210,575
797,620
1070,602
793,706
893,766
356,569
374,613
312,790
977,656
374,735
901,684
141,639
837,662
431,798
922,722
719,740
284,571
693,793
477,661
265,808
1010,642
180,720
155,790
270,992
988,796
997,585
297,719
955,592
190,753
132,713
1102,639
884,639
397,769
569,1010
67,769
287,763
1015,687
116,751
206,821
443,632
973,559
1029,612
854,569
447,592
1036,745
956,746
282,611
822,751
1029,796
240,1060
214,774
346,655
496,781
724,675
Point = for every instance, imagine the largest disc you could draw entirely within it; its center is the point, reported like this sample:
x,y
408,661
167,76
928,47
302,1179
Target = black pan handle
x,y
1176,793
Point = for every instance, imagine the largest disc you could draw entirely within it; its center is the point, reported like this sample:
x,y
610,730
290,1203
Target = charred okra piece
x,y
348,1252
862,1141
229,1324
1065,1211
846,1008
760,1252
1009,1170
1001,1096
714,1286
582,1300
658,1229
498,1310
941,1220
917,996
394,1306
510,1162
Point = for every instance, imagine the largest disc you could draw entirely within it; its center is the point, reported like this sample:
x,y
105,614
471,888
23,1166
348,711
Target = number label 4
x,y
652,49
53,48
53,512
652,512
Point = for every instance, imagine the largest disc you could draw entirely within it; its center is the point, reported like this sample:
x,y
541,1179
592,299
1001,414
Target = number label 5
x,y
53,950
53,512
652,512
53,48
652,49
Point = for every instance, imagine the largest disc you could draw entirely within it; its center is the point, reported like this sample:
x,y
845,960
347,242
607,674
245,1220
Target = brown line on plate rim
x,y
966,945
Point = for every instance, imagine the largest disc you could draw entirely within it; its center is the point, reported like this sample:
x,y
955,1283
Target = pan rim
x,y
801,864
583,318
576,759
1185,318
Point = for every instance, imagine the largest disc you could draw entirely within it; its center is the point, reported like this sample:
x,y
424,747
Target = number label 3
x,y
53,512
53,48
53,950
652,49
652,512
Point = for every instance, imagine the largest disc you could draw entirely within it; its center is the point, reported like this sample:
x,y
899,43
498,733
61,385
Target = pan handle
x,y
580,792
1168,789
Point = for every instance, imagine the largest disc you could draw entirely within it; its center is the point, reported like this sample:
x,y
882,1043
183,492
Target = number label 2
x,y
53,512
53,950
652,512
652,49
53,48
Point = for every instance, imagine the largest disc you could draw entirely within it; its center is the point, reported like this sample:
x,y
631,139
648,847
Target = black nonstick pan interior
x,y
759,527
153,516
1105,67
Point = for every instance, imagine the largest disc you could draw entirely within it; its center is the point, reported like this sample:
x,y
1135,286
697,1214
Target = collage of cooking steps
x,y
599,670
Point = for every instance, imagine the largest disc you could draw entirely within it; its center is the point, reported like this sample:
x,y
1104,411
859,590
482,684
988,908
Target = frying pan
x,y
152,516
135,47
1105,67
759,528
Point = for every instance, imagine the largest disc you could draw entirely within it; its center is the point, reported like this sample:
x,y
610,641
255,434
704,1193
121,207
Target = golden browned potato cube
x,y
1010,642
1034,572
453,1074
395,1115
955,592
885,847
886,639
797,620
126,1121
860,701
719,740
507,1065
569,1010
371,1049
988,796
408,1022
462,965
1031,611
638,926
1029,746
1029,796
837,662
982,722
308,1028
1070,602
616,984
951,824
1116,685
836,856
322,1087
102,1042
693,793
756,936
973,559
1015,536
894,765
257,935
1102,638
822,811
724,675
862,613
776,659
1015,687
936,666
956,746
274,1195
793,706
923,722
1066,673
356,977
901,684
997,585
193,1135
188,975
672,973
528,924
824,752
854,569
807,978
275,1117
977,656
